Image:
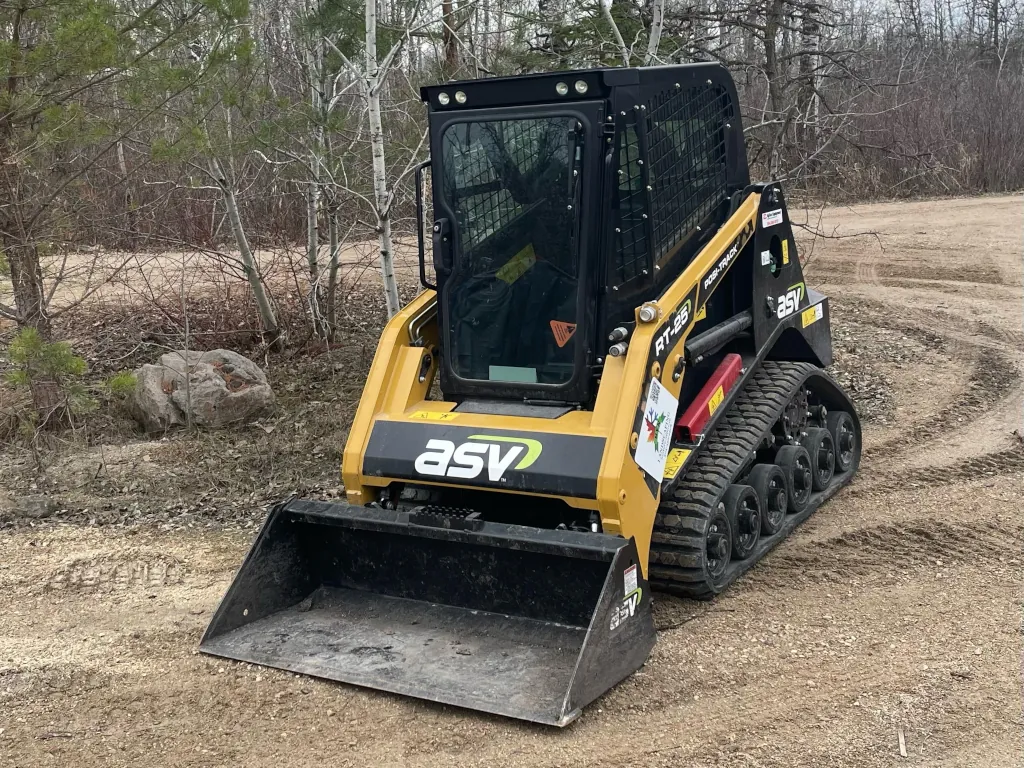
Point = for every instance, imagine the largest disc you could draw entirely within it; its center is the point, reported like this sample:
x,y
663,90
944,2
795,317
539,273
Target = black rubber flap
x,y
517,621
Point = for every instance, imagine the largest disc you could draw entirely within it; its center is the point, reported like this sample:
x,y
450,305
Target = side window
x,y
686,151
631,257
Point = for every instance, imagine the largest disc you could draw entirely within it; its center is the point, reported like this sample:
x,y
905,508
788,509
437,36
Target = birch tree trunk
x,y
334,257
267,317
321,324
606,11
314,159
657,23
129,199
371,88
807,127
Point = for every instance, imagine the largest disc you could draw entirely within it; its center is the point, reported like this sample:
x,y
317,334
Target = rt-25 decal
x,y
678,323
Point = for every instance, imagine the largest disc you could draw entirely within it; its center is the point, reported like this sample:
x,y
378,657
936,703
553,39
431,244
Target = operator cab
x,y
543,223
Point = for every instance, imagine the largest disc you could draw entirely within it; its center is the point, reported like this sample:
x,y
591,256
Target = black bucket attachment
x,y
524,622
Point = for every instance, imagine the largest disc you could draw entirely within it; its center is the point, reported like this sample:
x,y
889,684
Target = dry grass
x,y
98,469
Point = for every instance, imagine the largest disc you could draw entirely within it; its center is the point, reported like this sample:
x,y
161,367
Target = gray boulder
x,y
210,389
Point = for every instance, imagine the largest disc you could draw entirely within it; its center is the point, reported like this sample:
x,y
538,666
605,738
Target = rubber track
x,y
677,544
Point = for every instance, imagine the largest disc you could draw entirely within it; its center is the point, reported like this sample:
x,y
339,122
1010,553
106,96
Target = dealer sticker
x,y
771,218
655,436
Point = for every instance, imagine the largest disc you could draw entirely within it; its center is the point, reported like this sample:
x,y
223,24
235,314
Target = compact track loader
x,y
613,386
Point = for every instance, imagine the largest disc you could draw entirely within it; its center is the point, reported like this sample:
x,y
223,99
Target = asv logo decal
x,y
788,303
627,609
445,459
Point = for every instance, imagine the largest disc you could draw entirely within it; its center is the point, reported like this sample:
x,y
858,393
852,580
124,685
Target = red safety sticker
x,y
563,332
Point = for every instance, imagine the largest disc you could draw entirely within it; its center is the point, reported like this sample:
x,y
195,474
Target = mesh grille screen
x,y
477,184
686,147
630,257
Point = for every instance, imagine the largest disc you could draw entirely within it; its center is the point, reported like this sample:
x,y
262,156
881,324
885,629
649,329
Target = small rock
x,y
36,507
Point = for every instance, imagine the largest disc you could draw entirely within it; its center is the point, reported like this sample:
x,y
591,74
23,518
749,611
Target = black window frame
x,y
577,388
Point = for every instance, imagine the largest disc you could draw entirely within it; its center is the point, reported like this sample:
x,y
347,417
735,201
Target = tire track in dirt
x,y
986,274
993,464
114,571
922,542
994,378
983,291
866,271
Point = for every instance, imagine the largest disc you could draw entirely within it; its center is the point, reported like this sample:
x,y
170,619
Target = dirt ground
x,y
895,609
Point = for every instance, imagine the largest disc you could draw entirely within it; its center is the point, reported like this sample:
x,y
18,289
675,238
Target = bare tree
x,y
657,24
370,79
606,11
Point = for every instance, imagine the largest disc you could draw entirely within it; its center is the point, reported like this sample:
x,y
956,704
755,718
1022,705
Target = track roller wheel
x,y
744,510
795,463
718,546
822,450
769,483
844,437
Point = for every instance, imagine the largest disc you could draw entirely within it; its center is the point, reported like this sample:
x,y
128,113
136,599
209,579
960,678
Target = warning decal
x,y
716,400
812,315
563,332
676,458
629,580
434,415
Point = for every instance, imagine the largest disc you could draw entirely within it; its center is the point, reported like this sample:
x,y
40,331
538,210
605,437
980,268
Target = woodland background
x,y
233,169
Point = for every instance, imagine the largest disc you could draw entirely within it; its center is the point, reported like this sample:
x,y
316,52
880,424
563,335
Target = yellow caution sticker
x,y
812,315
785,251
716,400
518,265
701,314
433,415
676,458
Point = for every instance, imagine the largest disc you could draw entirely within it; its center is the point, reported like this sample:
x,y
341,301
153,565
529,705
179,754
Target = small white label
x,y
771,218
766,258
655,436
629,580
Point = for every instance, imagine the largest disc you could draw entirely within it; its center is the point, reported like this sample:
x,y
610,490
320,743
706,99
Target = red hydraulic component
x,y
709,398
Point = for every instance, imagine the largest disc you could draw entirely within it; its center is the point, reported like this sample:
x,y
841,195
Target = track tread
x,y
676,556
